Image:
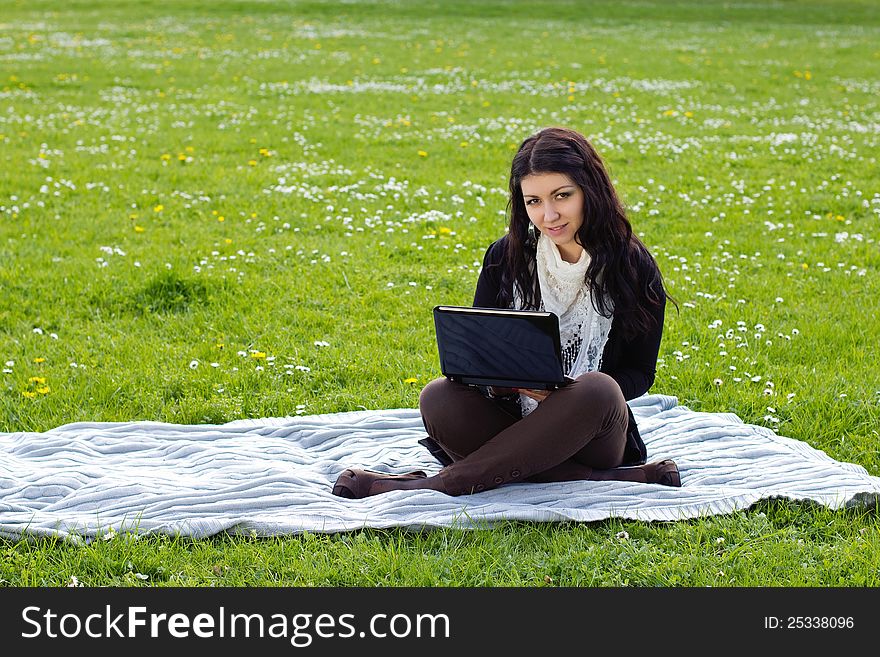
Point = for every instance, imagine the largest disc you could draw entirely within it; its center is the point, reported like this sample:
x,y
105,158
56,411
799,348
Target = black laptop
x,y
507,348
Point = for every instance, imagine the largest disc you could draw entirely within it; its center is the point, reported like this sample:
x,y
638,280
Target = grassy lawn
x,y
197,200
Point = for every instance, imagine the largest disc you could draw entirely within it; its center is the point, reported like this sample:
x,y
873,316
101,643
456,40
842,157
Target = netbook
x,y
507,348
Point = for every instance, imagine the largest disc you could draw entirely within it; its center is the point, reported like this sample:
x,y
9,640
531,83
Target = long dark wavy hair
x,y
617,255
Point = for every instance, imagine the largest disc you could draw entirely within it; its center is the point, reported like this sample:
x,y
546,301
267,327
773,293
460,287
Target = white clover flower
x,y
193,364
718,382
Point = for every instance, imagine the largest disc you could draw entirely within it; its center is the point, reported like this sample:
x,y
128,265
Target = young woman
x,y
569,250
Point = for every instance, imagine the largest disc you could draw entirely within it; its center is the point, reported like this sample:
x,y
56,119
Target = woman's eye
x,y
563,194
531,201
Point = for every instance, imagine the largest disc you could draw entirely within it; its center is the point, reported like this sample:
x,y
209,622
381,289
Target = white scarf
x,y
565,293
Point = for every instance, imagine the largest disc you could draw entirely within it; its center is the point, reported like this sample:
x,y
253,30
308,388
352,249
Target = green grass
x,y
357,154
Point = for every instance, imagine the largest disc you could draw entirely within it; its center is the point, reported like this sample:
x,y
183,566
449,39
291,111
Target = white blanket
x,y
274,475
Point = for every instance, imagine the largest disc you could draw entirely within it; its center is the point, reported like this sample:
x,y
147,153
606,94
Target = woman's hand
x,y
498,391
537,395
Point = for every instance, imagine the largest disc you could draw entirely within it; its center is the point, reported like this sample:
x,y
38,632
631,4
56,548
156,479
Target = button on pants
x,y
575,429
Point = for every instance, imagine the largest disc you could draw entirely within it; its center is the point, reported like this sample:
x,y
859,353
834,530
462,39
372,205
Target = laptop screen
x,y
499,347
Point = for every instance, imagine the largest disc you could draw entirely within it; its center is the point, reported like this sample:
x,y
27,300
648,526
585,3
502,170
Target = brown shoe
x,y
664,473
355,484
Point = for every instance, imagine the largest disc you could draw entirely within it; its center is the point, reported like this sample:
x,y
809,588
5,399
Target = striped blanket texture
x,y
273,476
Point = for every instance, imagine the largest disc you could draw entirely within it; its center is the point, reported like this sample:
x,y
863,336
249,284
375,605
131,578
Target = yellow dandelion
x,y
43,390
804,266
689,114
139,229
29,394
181,157
39,359
411,379
252,163
166,157
227,241
258,355
158,208
221,218
445,230
189,149
423,153
37,379
808,75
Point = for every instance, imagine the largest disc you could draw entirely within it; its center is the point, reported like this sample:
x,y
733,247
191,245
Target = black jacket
x,y
630,362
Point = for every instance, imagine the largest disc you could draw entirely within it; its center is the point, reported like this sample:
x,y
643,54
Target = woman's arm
x,y
488,290
633,362
637,359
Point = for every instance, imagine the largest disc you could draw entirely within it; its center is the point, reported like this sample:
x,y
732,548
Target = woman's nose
x,y
550,212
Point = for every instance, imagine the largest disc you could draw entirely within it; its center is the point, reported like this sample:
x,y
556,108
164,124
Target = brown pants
x,y
577,428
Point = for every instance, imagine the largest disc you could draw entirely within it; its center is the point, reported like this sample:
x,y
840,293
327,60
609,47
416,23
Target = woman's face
x,y
556,206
